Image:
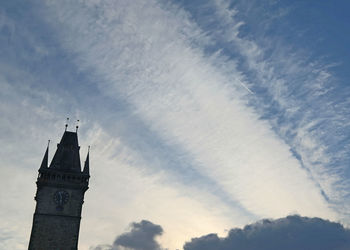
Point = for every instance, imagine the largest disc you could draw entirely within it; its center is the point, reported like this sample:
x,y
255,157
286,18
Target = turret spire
x,y
66,126
86,170
44,163
77,126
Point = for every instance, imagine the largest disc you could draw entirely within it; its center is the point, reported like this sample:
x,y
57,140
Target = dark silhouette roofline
x,y
67,157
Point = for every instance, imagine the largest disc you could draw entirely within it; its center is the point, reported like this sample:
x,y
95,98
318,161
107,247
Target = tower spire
x,y
44,163
86,170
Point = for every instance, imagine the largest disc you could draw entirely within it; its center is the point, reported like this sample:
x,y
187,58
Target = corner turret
x,y
86,170
44,163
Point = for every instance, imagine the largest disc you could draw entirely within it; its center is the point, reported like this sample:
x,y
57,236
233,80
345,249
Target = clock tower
x,y
59,197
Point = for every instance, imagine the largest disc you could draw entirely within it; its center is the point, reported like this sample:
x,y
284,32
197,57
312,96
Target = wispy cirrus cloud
x,y
302,100
197,124
179,93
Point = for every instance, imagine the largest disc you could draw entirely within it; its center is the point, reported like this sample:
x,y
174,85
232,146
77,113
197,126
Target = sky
x,y
202,115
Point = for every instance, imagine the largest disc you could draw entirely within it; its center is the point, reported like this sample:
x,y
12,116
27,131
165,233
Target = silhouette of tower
x,y
60,197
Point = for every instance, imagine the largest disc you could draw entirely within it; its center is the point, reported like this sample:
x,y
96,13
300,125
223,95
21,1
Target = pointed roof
x,y
44,162
67,156
86,170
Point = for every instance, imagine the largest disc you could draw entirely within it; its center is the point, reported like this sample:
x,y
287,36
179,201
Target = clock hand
x,y
61,198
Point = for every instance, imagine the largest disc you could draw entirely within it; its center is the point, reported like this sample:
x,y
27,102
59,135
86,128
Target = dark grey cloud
x,y
141,237
290,233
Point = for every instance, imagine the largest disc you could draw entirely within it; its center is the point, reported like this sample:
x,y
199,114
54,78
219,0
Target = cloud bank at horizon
x,y
290,233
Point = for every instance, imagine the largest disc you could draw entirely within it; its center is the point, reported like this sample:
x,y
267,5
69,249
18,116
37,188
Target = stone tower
x,y
60,197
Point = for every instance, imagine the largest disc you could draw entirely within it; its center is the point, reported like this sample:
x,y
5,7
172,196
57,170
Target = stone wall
x,y
54,232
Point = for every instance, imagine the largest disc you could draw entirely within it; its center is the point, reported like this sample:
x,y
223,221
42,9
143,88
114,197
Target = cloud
x,y
34,105
189,103
141,237
179,127
303,101
290,233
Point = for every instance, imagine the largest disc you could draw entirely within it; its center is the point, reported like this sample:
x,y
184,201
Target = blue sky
x,y
201,115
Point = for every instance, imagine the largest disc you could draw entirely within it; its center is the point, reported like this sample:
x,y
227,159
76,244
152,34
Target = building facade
x,y
59,198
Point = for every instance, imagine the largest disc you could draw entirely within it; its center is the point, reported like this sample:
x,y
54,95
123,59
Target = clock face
x,y
61,197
